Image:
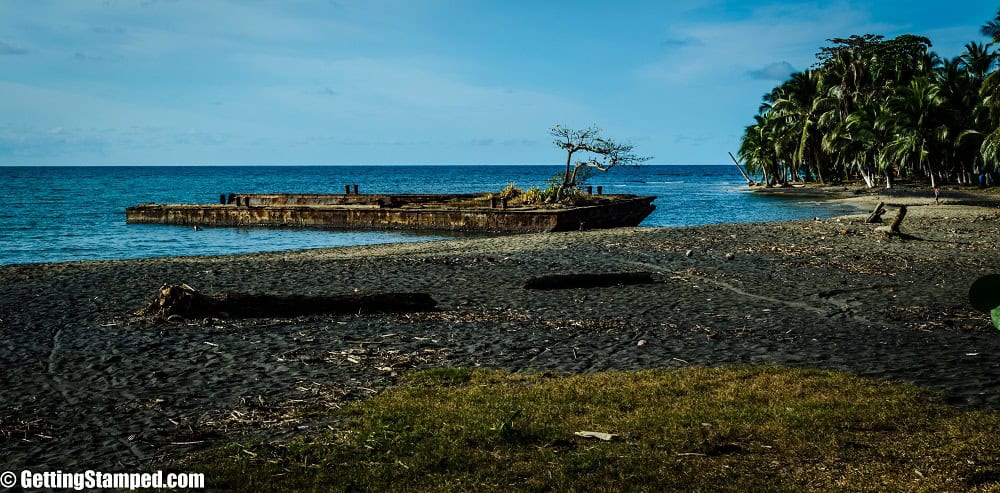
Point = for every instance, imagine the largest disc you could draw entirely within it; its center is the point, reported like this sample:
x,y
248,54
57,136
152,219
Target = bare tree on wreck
x,y
603,154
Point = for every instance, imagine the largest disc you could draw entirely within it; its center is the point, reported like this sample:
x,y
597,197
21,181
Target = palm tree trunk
x,y
866,177
819,168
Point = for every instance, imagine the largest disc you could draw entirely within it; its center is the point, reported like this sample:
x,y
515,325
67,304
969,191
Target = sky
x,y
227,82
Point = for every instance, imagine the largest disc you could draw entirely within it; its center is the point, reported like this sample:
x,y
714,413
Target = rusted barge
x,y
450,212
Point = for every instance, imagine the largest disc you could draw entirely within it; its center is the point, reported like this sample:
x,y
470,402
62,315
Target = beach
x,y
91,386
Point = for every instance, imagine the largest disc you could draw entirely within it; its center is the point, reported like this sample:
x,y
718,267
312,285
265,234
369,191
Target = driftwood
x,y
876,215
572,281
893,228
186,302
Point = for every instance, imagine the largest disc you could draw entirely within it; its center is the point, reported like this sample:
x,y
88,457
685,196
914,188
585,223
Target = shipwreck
x,y
441,212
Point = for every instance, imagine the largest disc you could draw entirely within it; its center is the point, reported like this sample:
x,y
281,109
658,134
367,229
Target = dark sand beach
x,y
89,386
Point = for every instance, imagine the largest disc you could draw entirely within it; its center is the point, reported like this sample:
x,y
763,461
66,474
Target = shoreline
x,y
97,388
446,236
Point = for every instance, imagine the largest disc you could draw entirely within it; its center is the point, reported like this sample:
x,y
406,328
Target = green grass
x,y
718,429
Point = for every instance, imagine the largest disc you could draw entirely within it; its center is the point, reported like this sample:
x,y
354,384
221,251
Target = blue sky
x,y
114,82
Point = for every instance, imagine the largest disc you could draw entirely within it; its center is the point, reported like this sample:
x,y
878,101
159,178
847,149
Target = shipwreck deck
x,y
382,211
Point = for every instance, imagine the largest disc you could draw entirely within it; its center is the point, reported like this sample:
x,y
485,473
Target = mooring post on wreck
x,y
355,189
347,189
493,202
222,199
503,202
600,190
590,190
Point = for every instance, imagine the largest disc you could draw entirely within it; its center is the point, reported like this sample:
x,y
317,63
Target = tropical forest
x,y
879,110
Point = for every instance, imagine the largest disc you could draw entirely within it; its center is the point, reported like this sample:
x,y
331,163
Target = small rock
x,y
689,253
642,342
730,256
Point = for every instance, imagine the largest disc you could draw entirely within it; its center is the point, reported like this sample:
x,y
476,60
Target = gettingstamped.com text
x,y
96,479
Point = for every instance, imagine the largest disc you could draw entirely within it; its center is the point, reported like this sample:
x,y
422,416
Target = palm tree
x,y
963,128
913,118
990,97
801,101
757,148
992,28
978,60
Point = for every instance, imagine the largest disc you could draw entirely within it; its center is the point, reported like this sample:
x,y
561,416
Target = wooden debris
x,y
588,280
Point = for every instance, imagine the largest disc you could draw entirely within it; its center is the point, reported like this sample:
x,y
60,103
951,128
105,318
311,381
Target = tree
x,y
801,101
992,28
978,60
602,153
914,119
758,148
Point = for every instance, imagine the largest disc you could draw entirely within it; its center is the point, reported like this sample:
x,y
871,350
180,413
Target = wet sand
x,y
88,386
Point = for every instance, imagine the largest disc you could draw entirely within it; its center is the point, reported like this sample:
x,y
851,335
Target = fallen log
x,y
588,280
186,302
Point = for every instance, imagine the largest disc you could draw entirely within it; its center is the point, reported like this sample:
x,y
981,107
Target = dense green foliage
x,y
882,109
698,429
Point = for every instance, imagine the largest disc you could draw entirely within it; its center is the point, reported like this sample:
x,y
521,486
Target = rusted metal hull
x,y
411,212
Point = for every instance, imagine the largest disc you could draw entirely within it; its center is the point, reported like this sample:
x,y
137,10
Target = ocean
x,y
57,214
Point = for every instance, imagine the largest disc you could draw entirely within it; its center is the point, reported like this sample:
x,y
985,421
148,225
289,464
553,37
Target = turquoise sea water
x,y
55,214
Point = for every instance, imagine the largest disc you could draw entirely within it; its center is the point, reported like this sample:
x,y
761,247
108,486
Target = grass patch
x,y
702,429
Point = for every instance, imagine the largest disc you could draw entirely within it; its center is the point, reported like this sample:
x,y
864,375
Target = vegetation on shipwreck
x,y
587,152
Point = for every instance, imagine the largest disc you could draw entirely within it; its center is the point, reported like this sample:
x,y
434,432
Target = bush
x,y
532,196
510,192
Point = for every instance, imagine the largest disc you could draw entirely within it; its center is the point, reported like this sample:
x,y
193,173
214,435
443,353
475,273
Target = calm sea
x,y
55,214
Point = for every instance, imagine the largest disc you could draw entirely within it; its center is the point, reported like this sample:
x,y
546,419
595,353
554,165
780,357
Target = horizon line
x,y
209,165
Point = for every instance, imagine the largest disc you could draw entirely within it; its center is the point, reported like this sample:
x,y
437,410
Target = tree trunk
x,y
819,168
744,173
866,177
566,178
186,302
